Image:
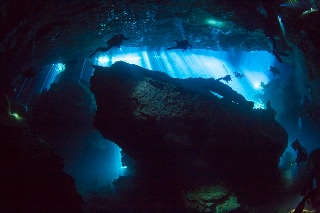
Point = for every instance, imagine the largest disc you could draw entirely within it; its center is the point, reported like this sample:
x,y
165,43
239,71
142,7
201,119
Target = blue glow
x,y
103,60
146,60
258,104
59,67
130,58
255,78
257,86
48,74
121,169
201,63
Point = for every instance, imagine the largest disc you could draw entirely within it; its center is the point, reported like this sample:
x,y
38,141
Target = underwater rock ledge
x,y
178,129
32,177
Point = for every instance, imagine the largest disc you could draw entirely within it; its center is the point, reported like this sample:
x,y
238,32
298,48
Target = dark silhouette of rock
x,y
179,133
31,177
66,103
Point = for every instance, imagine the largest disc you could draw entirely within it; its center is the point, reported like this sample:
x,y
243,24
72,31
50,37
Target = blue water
x,y
199,63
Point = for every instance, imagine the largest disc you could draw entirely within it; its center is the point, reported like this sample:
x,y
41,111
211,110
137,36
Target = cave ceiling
x,y
36,33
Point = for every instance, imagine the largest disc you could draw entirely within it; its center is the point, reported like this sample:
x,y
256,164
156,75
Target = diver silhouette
x,y
115,41
238,75
100,49
263,85
183,45
275,71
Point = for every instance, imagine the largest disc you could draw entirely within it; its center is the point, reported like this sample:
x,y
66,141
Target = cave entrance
x,y
249,74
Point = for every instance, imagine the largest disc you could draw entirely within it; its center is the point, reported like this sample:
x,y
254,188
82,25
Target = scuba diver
x,y
263,85
115,41
26,74
226,78
238,75
275,71
302,154
99,49
312,192
183,44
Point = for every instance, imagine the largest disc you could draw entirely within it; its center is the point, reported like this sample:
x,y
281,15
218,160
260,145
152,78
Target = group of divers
x,y
117,40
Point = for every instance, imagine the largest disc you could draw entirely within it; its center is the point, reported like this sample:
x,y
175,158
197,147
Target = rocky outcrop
x,y
67,103
177,129
31,178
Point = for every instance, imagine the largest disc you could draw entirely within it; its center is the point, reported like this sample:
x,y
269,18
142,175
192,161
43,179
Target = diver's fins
x,y
101,49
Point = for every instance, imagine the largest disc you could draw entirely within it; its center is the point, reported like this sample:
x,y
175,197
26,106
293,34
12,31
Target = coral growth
x,y
228,205
211,199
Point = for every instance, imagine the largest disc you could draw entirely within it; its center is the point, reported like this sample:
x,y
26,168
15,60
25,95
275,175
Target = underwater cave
x,y
160,106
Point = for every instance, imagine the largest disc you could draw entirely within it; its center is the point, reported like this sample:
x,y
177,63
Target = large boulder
x,y
179,129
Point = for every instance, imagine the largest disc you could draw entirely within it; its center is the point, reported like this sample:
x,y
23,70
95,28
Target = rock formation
x,y
181,133
31,177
